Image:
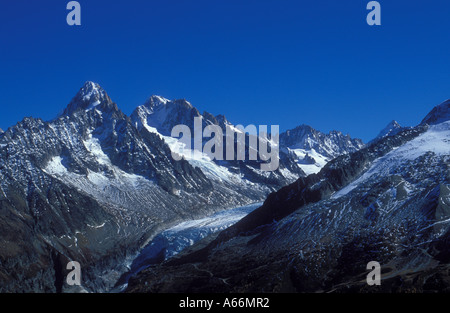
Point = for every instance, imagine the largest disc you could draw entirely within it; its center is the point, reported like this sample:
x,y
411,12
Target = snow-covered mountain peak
x,y
91,89
393,124
391,129
163,114
92,93
439,114
312,149
155,101
90,96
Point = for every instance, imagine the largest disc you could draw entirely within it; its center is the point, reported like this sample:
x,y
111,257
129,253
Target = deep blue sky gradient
x,y
256,61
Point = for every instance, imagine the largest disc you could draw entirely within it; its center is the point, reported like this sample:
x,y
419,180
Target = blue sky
x,y
256,61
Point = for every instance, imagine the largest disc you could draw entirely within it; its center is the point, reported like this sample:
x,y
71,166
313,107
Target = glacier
x,y
175,239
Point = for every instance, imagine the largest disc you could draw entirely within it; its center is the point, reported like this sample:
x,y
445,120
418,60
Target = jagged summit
x,y
155,101
313,149
163,114
391,129
90,96
439,114
306,137
394,124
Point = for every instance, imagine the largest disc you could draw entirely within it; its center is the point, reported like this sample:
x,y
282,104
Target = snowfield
x,y
435,140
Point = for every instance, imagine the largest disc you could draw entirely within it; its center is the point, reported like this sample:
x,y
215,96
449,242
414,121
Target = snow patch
x,y
55,166
309,169
197,158
113,184
93,146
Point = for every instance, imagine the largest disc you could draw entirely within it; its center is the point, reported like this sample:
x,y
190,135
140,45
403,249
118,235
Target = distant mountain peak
x,y
439,114
391,129
312,149
163,114
90,96
304,127
394,123
92,93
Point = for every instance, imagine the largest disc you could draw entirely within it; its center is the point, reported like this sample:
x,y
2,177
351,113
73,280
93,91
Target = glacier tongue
x,y
175,239
183,235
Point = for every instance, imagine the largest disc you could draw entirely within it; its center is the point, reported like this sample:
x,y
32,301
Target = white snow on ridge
x,y
108,187
197,158
321,160
436,139
121,179
161,100
202,160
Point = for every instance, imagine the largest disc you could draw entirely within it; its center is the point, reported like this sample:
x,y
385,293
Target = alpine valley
x,y
388,202
99,187
95,186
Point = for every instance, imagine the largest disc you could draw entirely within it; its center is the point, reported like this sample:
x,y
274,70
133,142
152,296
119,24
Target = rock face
x,y
388,202
439,114
94,185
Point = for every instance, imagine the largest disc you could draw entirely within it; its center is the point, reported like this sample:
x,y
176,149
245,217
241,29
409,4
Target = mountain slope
x,y
439,114
303,150
388,202
159,116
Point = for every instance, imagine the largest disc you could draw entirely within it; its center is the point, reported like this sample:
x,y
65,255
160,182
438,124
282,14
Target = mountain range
x,y
94,185
387,202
